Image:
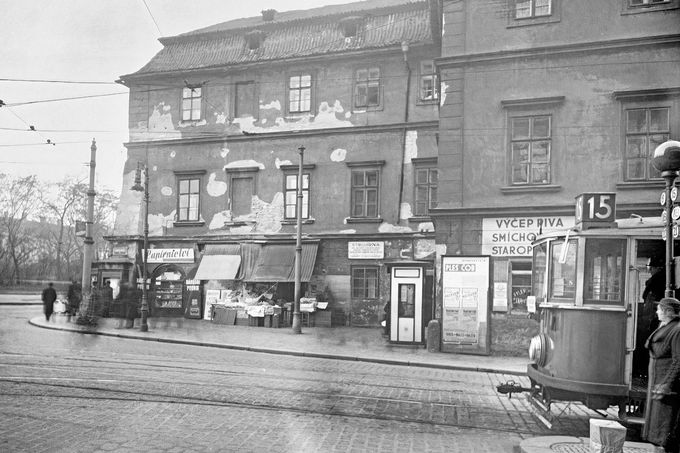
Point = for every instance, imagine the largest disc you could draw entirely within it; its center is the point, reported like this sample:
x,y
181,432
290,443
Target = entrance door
x,y
406,305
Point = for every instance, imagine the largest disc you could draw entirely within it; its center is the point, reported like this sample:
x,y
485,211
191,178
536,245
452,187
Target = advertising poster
x,y
465,300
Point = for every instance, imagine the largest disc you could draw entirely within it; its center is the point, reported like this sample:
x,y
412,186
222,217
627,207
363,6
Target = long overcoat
x,y
664,368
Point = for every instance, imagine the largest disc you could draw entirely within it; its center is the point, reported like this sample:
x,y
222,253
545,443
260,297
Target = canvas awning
x,y
276,263
219,262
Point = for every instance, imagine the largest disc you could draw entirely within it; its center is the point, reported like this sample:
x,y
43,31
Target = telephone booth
x,y
406,304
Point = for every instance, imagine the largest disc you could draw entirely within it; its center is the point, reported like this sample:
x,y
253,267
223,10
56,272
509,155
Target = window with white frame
x,y
527,9
191,103
530,149
188,198
367,87
365,282
429,82
300,93
645,128
291,188
365,192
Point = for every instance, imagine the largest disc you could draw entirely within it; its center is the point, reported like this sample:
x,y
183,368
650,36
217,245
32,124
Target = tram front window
x,y
563,269
603,276
538,271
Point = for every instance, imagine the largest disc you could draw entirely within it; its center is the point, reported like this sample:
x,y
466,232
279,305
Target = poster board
x,y
466,304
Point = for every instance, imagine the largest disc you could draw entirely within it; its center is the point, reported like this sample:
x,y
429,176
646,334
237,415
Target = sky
x,y
93,41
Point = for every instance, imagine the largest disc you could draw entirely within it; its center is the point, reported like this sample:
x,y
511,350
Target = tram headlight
x,y
538,349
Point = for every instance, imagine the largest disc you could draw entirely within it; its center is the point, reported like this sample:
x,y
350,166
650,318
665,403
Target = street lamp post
x,y
666,159
297,321
144,327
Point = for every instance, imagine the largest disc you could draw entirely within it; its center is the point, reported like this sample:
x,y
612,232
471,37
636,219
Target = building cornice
x,y
557,50
626,209
286,134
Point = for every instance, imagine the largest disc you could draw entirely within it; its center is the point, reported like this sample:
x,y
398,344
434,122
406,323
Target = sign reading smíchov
x,y
512,236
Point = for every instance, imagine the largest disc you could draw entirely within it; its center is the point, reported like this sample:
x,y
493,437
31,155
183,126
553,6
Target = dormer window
x,y
350,26
254,39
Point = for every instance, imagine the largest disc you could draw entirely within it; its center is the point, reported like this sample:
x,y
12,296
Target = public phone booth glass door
x,y
406,305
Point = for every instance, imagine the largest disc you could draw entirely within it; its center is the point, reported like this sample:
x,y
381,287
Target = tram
x,y
588,283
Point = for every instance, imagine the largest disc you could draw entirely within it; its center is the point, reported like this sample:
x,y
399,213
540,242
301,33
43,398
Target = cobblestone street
x,y
64,391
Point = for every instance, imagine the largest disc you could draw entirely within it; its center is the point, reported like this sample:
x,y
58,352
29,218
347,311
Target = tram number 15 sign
x,y
595,208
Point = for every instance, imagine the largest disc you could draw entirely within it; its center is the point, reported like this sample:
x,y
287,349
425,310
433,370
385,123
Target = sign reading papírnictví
x,y
512,236
170,255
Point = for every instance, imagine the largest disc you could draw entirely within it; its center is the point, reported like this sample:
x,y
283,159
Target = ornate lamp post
x,y
297,321
144,327
667,160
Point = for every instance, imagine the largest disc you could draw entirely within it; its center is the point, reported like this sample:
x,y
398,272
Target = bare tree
x,y
18,201
61,203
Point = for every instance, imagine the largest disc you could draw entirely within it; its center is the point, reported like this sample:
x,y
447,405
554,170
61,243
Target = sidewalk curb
x,y
317,355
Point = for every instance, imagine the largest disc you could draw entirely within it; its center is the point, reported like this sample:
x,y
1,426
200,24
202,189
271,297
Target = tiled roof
x,y
383,23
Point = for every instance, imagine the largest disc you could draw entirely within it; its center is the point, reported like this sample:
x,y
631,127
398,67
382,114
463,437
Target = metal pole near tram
x,y
666,159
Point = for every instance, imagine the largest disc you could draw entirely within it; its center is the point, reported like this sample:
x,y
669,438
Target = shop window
x,y
300,93
429,82
520,274
365,282
291,188
645,129
604,271
563,270
246,104
367,87
425,190
530,148
192,97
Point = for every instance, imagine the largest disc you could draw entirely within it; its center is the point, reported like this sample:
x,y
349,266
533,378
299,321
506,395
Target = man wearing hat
x,y
662,418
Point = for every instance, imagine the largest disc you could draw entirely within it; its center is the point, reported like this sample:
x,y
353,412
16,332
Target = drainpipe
x,y
404,49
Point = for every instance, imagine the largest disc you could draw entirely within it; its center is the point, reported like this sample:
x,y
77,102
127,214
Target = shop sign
x,y
170,256
512,236
366,250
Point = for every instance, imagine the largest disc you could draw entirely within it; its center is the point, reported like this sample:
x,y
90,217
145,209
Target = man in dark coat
x,y
647,322
73,296
49,295
662,417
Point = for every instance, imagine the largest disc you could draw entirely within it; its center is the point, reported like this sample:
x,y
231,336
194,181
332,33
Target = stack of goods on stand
x,y
242,307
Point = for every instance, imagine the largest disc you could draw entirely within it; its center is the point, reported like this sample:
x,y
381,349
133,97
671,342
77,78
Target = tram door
x,y
406,305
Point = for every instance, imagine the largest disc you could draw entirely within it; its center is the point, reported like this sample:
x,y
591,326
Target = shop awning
x,y
219,262
276,263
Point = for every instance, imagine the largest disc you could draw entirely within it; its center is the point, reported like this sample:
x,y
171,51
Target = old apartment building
x,y
543,100
218,118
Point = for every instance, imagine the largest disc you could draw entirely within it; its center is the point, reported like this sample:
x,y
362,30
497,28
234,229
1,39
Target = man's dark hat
x,y
656,261
670,302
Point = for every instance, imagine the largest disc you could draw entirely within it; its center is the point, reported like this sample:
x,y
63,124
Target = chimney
x,y
268,15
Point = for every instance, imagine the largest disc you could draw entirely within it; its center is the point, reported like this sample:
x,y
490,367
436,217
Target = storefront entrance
x,y
406,305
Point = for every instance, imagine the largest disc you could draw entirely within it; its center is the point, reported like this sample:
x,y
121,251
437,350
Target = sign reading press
x,y
512,236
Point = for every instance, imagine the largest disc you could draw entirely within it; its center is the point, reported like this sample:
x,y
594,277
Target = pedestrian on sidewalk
x,y
73,297
663,404
49,295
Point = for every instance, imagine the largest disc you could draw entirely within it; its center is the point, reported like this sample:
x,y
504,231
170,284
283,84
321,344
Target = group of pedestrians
x,y
73,298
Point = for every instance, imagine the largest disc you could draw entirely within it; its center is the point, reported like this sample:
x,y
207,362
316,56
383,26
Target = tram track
x,y
334,410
